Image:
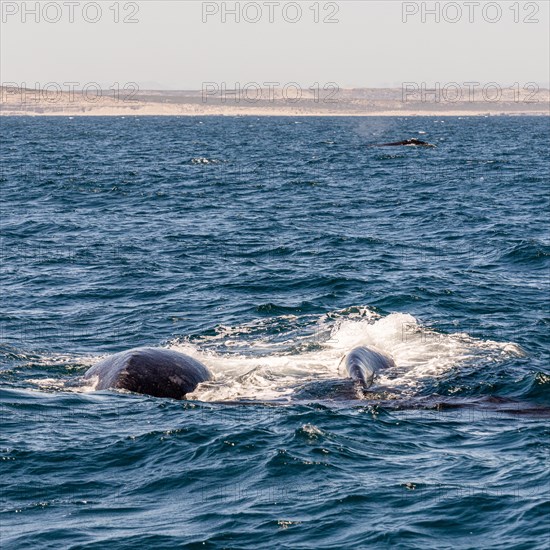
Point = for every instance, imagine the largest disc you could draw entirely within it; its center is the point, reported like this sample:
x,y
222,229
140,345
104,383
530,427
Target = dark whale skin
x,y
363,364
150,371
408,142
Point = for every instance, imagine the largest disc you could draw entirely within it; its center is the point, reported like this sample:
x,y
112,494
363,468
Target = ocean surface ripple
x,y
268,248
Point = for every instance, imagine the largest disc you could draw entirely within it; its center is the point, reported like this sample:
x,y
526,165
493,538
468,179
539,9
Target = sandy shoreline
x,y
358,102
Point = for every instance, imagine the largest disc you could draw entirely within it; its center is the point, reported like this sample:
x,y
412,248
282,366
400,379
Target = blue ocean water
x,y
267,248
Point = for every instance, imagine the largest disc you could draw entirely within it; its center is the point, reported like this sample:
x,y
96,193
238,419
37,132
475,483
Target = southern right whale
x,y
166,373
363,364
151,371
409,142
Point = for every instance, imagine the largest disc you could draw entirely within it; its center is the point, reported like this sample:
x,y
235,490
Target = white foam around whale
x,y
273,374
270,358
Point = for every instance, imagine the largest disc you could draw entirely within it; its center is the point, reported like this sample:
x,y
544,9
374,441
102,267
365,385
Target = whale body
x,y
409,142
150,371
363,364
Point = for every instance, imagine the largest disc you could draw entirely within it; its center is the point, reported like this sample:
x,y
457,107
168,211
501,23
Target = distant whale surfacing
x,y
410,142
363,364
150,371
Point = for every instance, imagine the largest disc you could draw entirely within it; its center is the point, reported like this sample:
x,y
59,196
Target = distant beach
x,y
352,102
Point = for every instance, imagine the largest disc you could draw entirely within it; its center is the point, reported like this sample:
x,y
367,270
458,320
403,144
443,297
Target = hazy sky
x,y
368,44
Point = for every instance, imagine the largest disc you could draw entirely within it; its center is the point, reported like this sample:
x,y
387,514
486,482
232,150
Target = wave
x,y
528,252
264,361
292,357
204,160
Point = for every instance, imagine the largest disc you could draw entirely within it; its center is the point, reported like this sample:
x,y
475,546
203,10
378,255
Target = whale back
x,y
408,142
363,364
150,371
